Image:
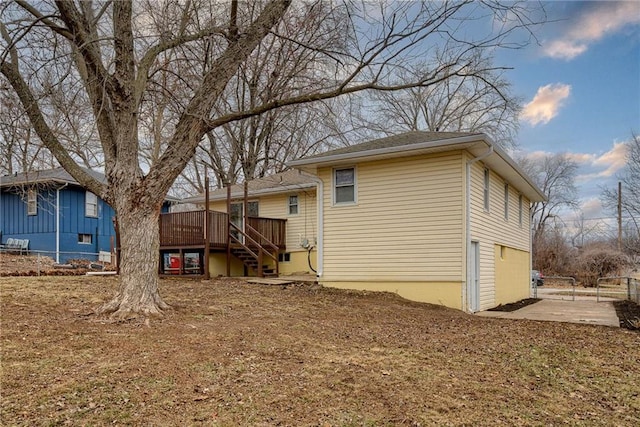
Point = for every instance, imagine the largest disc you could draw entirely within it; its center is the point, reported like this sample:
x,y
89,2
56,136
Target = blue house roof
x,y
51,175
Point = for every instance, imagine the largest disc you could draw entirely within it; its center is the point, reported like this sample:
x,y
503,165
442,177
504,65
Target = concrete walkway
x,y
585,312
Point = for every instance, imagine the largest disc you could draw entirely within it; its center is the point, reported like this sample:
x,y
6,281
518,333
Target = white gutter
x,y
255,193
320,222
468,285
58,222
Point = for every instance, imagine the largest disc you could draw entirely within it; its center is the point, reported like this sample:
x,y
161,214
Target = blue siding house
x,y
59,217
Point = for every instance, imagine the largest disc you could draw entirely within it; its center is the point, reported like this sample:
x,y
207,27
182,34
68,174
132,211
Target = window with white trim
x,y
487,176
284,257
293,204
520,209
90,204
32,202
344,185
506,201
85,239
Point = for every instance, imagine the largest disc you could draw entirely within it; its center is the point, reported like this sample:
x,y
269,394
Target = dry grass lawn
x,y
236,354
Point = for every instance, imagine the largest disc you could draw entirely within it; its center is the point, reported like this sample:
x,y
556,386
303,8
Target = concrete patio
x,y
552,310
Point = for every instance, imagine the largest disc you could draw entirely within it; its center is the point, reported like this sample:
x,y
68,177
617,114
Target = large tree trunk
x,y
138,294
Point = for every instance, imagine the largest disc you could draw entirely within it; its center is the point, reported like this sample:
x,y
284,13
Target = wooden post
x,y
117,228
207,243
620,216
245,207
228,229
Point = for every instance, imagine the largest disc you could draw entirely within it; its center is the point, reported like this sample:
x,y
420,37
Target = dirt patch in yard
x,y
629,314
33,265
515,305
234,354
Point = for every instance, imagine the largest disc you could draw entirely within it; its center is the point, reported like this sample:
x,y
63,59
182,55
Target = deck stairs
x,y
254,250
249,259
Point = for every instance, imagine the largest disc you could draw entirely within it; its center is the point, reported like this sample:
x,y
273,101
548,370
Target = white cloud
x,y
582,158
591,207
564,49
592,25
615,159
545,104
606,164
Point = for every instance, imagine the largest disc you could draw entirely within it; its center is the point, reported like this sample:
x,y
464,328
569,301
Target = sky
x,y
580,85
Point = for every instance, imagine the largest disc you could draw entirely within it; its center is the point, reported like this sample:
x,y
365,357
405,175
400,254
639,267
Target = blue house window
x,y
32,202
91,205
86,239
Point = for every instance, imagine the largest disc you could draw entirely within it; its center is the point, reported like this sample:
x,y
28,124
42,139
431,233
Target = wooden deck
x,y
186,230
183,242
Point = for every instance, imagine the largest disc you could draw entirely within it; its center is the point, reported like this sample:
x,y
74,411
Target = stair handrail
x,y
262,237
275,248
261,250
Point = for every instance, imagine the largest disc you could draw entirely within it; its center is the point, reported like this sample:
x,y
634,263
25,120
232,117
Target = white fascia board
x,y
390,152
264,192
506,167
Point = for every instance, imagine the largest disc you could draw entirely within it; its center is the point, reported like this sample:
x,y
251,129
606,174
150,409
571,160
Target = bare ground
x,y
237,354
32,265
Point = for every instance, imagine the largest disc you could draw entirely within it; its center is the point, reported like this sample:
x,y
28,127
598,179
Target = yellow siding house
x,y
289,196
439,217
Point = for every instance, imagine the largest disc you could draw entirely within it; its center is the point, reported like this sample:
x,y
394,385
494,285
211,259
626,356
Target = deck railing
x,y
272,229
184,229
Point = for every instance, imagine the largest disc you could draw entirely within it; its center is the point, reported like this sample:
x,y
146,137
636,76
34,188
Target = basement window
x,y
85,239
284,257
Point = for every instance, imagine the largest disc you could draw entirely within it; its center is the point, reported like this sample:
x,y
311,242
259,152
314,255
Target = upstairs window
x,y
486,189
91,204
520,210
293,205
506,201
344,182
32,202
253,209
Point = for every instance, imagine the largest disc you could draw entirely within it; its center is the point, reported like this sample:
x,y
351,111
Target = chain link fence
x,y
618,287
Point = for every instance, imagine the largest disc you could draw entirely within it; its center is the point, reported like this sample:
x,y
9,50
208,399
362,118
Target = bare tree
x,y
20,147
552,253
478,101
630,179
555,175
115,52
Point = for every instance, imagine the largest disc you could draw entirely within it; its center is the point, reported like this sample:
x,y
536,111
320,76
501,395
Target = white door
x,y
474,279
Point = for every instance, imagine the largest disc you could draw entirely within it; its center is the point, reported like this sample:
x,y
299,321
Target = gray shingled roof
x,y
401,140
279,183
50,175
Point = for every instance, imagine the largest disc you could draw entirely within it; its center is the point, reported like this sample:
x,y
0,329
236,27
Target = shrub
x,y
599,262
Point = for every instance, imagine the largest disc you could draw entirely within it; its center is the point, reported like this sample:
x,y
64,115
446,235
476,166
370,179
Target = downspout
x,y
320,222
58,222
468,221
